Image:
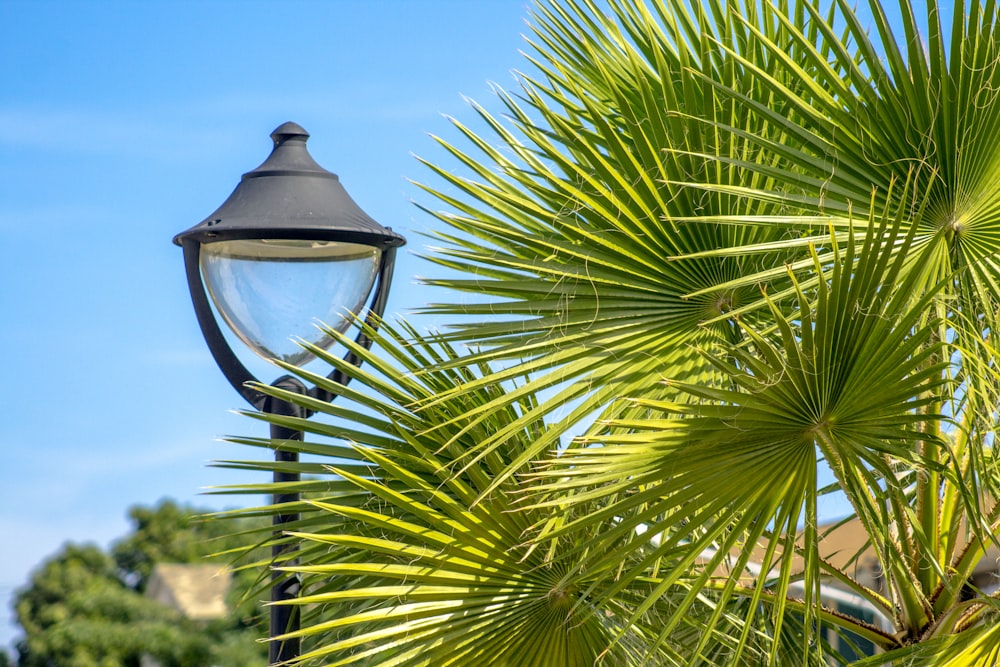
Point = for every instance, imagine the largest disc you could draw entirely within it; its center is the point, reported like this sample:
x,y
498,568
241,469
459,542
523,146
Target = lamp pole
x,y
289,219
284,618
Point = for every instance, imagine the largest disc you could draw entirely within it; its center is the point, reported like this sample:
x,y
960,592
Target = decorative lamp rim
x,y
206,232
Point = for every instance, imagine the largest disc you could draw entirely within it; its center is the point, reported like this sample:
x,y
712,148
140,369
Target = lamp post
x,y
288,247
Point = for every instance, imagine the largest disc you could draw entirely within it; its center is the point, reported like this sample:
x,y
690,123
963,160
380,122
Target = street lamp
x,y
287,248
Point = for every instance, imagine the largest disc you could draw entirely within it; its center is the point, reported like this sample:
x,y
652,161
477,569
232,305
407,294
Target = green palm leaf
x,y
571,231
427,567
849,381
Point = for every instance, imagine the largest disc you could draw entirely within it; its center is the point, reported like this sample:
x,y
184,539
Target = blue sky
x,y
123,123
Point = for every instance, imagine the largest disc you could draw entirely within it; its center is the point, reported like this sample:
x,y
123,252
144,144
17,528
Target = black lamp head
x,y
285,217
290,196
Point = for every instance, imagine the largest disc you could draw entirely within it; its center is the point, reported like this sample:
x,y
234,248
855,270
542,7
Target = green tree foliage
x,y
167,533
85,607
170,533
728,259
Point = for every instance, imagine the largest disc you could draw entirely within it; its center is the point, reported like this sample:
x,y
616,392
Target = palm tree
x,y
731,261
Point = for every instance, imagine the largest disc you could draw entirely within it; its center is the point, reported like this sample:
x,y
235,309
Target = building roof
x,y
844,545
197,591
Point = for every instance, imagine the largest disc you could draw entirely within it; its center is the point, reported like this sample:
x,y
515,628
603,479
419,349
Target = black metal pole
x,y
284,587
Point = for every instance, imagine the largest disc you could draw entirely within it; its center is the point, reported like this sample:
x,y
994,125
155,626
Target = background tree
x,y
85,607
729,259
